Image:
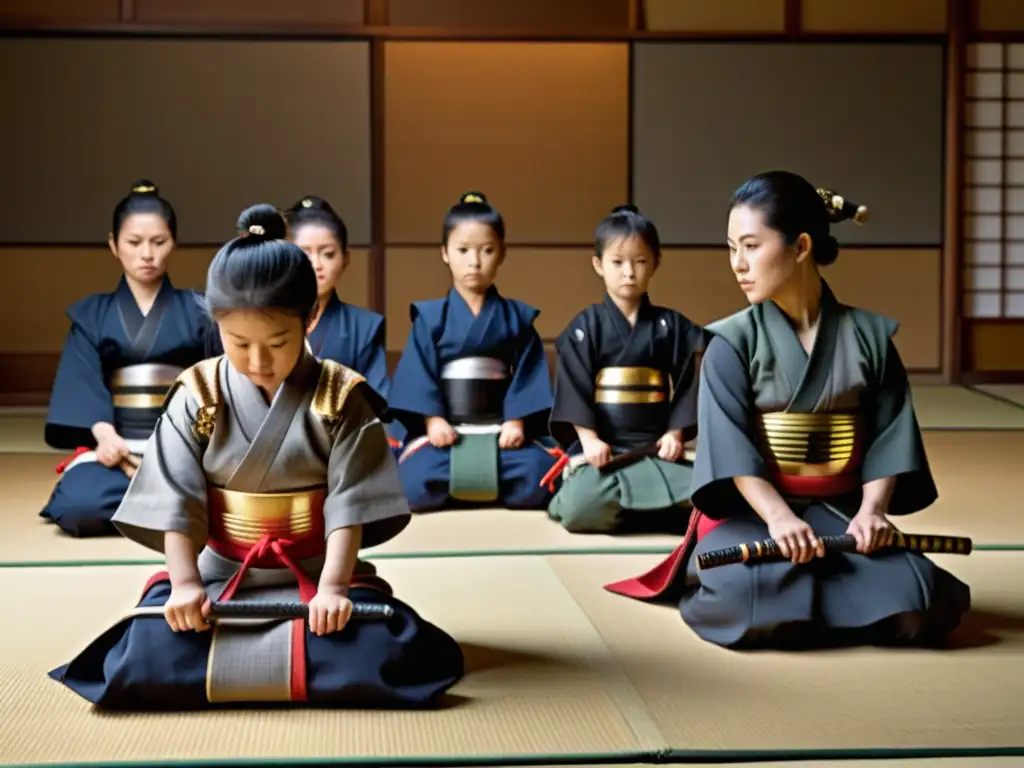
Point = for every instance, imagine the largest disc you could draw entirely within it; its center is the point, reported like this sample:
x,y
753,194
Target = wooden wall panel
x,y
902,284
547,15
414,274
252,13
218,125
874,16
993,346
905,285
57,277
1000,15
60,13
540,128
715,15
694,108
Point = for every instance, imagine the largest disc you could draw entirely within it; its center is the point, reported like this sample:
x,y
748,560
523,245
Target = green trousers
x,y
591,501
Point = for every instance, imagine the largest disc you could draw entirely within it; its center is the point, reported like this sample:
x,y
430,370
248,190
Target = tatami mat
x,y
541,680
558,669
978,474
1013,393
949,762
701,697
938,407
21,431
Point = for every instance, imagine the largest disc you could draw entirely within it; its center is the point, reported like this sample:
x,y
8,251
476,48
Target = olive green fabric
x,y
474,473
591,501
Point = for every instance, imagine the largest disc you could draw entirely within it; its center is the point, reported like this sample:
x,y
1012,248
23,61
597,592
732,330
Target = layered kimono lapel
x,y
480,329
630,337
327,327
807,375
266,426
141,330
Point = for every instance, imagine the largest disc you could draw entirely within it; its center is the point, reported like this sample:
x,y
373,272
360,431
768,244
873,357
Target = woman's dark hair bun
x,y
826,250
145,187
469,198
262,221
624,209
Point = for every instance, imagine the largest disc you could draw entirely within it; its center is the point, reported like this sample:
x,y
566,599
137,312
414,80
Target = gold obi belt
x,y
812,454
138,394
242,524
632,405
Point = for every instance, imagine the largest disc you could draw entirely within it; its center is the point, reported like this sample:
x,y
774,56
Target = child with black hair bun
x,y
472,387
807,430
265,476
344,333
625,398
122,353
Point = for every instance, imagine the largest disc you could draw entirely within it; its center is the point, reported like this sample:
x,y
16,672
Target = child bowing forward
x,y
257,485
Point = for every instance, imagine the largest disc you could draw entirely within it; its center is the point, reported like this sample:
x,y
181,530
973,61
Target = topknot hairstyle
x,y
473,207
317,211
626,221
143,198
261,270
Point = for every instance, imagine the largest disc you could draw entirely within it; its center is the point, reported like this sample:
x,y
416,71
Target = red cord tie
x,y
64,464
549,478
267,543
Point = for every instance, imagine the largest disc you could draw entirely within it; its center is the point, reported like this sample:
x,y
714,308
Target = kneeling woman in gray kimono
x,y
266,474
807,430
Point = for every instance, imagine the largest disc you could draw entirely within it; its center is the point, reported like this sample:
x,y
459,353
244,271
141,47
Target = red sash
x,y
655,582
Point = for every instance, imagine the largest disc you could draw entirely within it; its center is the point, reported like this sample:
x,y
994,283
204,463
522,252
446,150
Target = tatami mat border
x,y
995,396
426,555
653,757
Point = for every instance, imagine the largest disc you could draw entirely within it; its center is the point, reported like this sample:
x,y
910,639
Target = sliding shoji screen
x,y
994,182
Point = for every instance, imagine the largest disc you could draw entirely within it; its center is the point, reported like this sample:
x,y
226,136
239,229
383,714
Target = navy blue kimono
x,y
354,337
447,337
116,367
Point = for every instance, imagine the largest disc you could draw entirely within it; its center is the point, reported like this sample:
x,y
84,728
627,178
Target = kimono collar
x,y
611,306
332,302
490,295
829,303
123,287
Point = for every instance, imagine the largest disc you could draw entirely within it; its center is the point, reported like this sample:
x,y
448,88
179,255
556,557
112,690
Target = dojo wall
x,y
550,116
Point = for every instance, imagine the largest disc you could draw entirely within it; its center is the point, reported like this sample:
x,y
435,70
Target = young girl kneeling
x,y
472,387
266,474
625,391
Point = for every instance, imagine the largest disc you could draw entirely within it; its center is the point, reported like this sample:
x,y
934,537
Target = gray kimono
x,y
257,447
319,439
756,366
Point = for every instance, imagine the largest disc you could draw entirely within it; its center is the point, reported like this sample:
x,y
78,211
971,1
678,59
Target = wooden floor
x,y
559,671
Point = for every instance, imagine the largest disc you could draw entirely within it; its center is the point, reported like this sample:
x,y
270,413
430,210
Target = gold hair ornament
x,y
256,229
307,203
837,205
472,199
143,189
